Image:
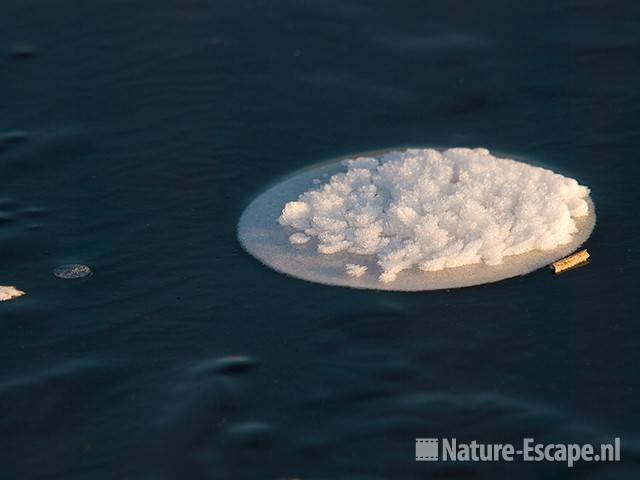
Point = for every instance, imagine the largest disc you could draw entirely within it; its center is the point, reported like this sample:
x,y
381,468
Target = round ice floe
x,y
72,270
417,219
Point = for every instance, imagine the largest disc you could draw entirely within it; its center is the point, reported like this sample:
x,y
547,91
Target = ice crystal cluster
x,y
434,210
9,293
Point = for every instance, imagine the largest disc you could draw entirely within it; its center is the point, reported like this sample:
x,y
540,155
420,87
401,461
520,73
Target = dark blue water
x,y
132,135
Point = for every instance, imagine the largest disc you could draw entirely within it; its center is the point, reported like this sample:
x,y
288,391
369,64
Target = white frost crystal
x,y
435,210
355,270
299,239
8,293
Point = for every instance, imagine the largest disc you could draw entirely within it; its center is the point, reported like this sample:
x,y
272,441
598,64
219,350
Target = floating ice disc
x,y
71,271
411,197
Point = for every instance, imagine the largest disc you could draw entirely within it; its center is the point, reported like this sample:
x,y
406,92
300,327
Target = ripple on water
x,y
204,439
22,51
6,217
11,138
199,409
51,399
251,434
11,211
232,365
16,244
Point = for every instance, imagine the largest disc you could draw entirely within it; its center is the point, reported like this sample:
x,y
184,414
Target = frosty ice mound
x,y
418,219
433,210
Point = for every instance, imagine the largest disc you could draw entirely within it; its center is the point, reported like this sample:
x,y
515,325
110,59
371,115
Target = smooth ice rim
x,y
261,236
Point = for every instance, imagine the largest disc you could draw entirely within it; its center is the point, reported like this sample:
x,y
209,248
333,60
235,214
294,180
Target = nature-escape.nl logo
x,y
430,449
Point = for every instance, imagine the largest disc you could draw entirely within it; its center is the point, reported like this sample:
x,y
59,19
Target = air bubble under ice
x,y
432,210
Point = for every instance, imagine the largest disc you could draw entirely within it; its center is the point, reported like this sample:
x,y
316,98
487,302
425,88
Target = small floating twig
x,y
575,260
8,293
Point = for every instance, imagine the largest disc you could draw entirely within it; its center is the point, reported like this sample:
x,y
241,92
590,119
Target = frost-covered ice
x,y
299,239
9,293
436,210
265,239
355,270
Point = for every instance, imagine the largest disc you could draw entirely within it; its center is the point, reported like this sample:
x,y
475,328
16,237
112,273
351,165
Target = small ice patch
x,y
355,270
435,210
9,293
71,271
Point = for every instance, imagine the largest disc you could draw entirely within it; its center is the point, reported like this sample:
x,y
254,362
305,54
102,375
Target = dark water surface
x,y
132,135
